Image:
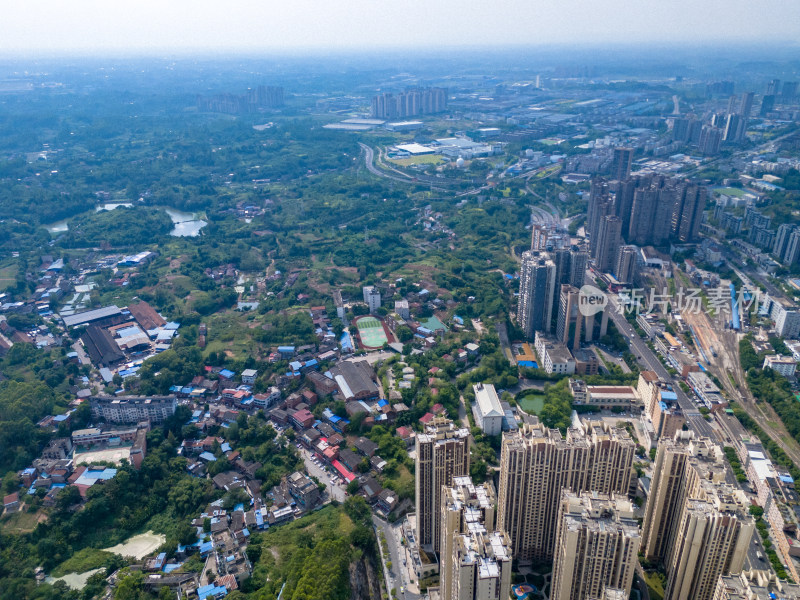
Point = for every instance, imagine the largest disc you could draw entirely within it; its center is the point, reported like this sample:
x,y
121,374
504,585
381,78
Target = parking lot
x,y
324,473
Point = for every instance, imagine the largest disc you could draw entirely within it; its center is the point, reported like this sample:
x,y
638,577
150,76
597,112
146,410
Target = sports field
x,y
112,455
370,330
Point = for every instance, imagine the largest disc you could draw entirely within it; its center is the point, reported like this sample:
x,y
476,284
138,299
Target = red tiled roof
x,y
76,474
343,470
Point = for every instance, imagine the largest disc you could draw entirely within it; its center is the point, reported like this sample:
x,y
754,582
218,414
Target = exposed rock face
x,y
364,580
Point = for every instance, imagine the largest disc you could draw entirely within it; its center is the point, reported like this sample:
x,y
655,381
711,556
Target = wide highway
x,y
650,361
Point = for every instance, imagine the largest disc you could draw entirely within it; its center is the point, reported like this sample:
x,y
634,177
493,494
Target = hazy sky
x,y
47,25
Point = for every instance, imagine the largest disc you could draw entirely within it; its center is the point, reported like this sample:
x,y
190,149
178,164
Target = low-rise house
x,y
293,401
349,459
11,503
267,399
370,489
277,516
303,490
302,419
325,429
386,501
57,449
246,468
228,480
280,416
28,476
366,446
377,463
309,397
405,433
323,386
249,376
309,437
173,580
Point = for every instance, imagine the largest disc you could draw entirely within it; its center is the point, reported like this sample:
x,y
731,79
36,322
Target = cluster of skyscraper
x,y
541,276
787,244
735,120
729,127
645,210
565,499
410,103
777,94
642,210
696,524
263,96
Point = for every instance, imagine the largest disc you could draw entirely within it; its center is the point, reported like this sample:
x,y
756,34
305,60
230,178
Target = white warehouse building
x,y
487,410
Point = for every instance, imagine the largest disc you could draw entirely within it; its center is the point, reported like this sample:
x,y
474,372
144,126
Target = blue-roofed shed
x,y
215,591
206,547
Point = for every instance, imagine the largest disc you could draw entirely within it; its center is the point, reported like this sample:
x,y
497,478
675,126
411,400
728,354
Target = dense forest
x,y
38,384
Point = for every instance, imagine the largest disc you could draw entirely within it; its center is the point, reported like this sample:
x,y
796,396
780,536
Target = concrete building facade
x,y
487,410
695,524
466,508
536,289
133,409
442,453
537,463
597,546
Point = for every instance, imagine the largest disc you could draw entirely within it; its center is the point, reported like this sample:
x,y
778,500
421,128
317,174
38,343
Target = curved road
x,y
369,157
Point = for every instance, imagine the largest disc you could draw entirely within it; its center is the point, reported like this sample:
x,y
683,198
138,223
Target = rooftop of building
x,y
440,429
132,399
487,400
599,512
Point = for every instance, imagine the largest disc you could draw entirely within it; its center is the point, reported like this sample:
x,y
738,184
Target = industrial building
x,y
356,380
